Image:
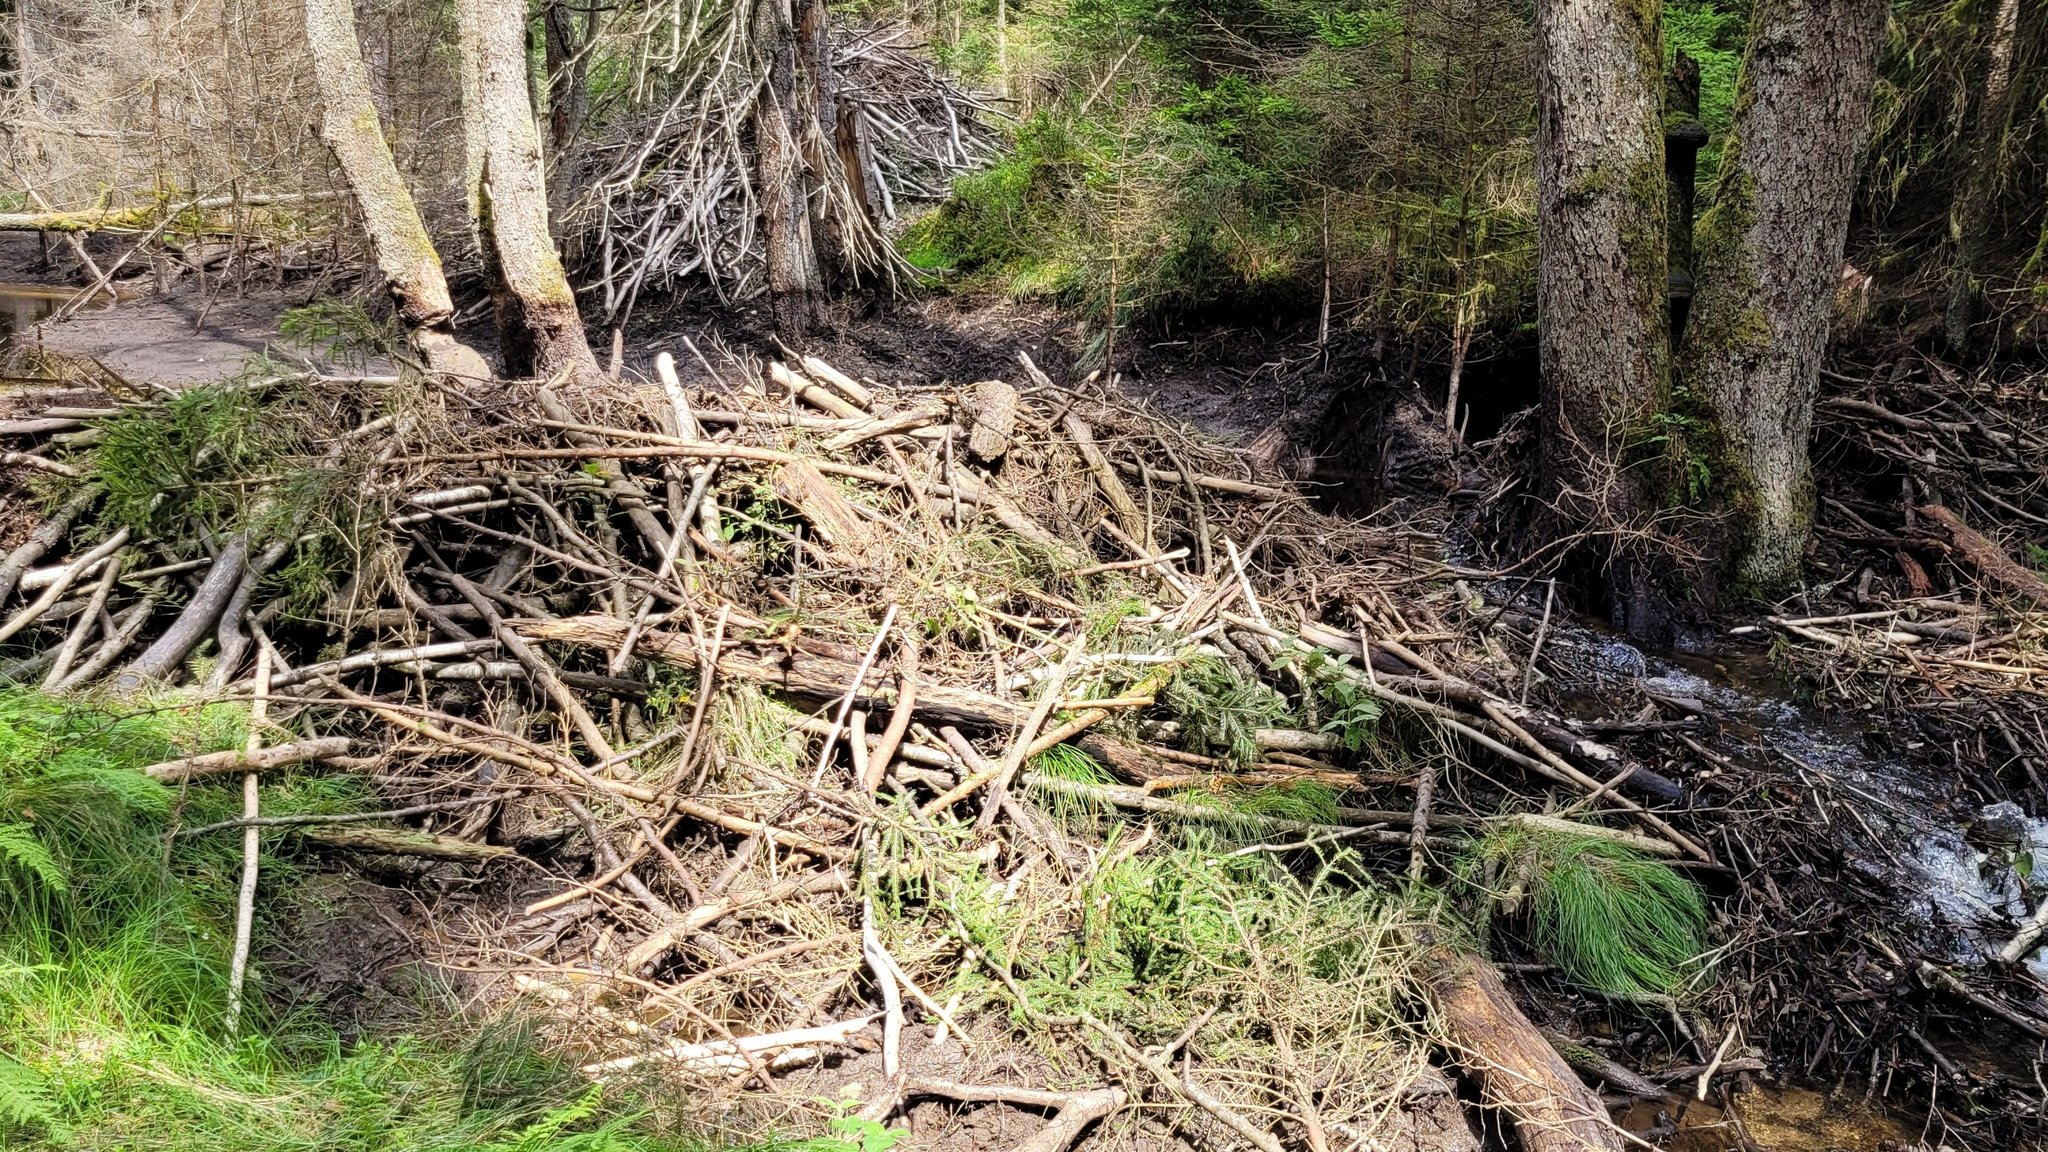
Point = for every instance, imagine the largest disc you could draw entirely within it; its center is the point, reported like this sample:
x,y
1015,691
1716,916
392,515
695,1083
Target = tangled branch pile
x,y
675,194
785,710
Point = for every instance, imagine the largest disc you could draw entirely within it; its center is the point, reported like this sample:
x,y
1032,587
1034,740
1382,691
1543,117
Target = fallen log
x,y
1518,1071
1990,560
223,763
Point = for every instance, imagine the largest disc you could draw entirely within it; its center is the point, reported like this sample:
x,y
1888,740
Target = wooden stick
x,y
245,899
899,719
251,759
87,621
852,690
1019,747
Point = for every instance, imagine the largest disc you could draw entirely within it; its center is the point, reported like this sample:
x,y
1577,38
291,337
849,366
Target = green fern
x,y
21,854
25,1096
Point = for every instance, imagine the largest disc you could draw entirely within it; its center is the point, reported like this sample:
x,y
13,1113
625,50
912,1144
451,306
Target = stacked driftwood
x,y
702,661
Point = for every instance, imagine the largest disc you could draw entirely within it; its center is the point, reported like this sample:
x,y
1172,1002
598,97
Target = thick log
x,y
1988,558
794,671
1516,1068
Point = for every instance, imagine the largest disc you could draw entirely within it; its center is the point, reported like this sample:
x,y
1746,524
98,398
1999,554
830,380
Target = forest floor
x,y
1826,752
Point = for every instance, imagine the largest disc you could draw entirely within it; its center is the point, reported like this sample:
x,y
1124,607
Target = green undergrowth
x,y
1275,967
114,944
1611,918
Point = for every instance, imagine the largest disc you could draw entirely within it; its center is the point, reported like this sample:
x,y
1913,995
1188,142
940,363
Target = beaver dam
x,y
1082,576
1005,765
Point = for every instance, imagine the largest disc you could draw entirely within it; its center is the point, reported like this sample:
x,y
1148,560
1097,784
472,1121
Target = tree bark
x,y
1769,254
1970,217
404,252
568,76
1601,215
1517,1069
539,327
796,282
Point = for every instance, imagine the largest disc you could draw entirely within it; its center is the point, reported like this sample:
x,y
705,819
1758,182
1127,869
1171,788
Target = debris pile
x,y
787,728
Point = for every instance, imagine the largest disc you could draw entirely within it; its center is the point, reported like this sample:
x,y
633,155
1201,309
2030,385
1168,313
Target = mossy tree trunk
x,y
404,252
1769,256
1970,218
540,330
1601,212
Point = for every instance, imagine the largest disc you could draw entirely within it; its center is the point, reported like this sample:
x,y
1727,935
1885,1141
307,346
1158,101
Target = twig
x,y
1536,646
252,842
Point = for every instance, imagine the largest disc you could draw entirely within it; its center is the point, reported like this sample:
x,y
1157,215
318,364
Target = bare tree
x,y
539,327
405,253
1601,209
796,280
1769,254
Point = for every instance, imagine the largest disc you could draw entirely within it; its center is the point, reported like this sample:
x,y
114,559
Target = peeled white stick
x,y
83,566
245,900
2023,941
87,621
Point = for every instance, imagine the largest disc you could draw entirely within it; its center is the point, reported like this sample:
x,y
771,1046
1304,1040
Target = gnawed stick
x,y
1138,800
161,660
400,842
43,539
251,760
87,621
705,915
252,844
891,739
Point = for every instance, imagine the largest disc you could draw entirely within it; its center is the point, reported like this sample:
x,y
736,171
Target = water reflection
x,y
21,305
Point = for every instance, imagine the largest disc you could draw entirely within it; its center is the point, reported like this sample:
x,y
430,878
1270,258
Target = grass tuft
x,y
1612,918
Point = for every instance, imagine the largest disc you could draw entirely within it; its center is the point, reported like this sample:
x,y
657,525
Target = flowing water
x,y
1953,865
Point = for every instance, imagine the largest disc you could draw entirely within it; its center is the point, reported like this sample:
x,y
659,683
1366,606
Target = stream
x,y
1952,864
22,305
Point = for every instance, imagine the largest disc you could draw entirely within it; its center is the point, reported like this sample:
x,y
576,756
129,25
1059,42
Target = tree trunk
x,y
1970,218
796,282
405,253
568,72
539,328
1769,255
1601,212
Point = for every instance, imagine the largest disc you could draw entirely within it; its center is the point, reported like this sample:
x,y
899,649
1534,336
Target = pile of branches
x,y
767,716
671,196
1935,509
